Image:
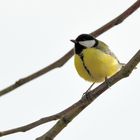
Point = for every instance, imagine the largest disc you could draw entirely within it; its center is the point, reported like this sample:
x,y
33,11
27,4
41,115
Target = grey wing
x,y
102,46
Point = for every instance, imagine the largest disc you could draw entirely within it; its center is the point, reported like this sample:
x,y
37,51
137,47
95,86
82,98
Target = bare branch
x,y
41,121
116,21
35,75
60,62
30,126
92,95
70,113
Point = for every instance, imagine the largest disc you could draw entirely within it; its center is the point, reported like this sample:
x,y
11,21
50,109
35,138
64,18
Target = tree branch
x,y
70,113
92,95
116,21
60,62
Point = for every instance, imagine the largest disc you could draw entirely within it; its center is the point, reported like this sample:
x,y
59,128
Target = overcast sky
x,y
35,33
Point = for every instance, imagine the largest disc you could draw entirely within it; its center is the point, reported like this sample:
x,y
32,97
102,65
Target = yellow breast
x,y
96,65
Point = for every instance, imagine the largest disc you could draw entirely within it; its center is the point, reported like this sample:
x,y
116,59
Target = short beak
x,y
74,41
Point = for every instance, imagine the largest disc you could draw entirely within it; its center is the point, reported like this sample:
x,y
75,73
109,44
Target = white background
x,y
35,33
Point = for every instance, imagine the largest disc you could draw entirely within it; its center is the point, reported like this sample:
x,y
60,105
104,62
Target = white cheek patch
x,y
87,43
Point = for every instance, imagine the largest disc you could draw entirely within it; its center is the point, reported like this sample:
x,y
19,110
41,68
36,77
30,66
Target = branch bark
x,y
60,62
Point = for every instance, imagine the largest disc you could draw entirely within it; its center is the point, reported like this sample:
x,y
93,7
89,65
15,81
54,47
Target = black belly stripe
x,y
82,58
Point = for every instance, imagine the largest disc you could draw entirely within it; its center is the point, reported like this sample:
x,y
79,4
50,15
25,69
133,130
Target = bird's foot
x,y
107,82
86,94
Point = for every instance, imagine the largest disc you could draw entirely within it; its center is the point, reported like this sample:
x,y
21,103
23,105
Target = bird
x,y
93,59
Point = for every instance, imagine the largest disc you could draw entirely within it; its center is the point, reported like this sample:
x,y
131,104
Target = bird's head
x,y
84,41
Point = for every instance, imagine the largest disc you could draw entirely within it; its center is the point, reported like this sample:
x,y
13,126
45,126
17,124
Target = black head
x,y
84,37
84,41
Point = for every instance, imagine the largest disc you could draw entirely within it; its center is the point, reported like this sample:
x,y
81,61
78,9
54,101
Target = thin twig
x,y
60,62
41,121
116,21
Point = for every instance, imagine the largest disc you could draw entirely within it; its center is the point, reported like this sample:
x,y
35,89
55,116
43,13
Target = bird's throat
x,y
79,48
